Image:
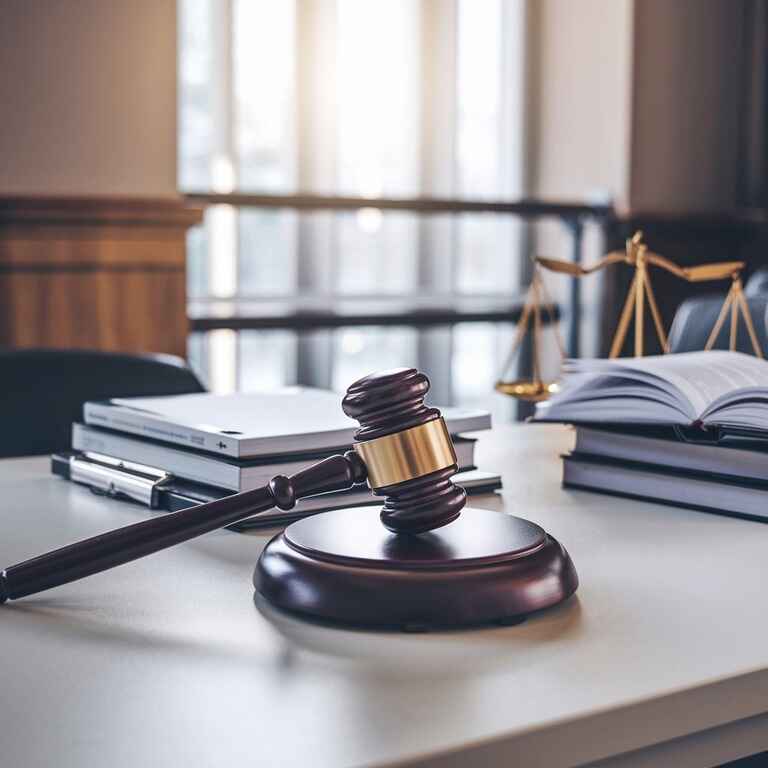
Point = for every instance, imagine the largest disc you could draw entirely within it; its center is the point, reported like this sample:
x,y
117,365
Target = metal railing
x,y
302,315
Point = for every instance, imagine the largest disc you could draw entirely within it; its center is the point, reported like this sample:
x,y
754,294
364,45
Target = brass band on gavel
x,y
405,455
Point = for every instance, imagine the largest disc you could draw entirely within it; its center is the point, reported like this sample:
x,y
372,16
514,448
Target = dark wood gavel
x,y
402,449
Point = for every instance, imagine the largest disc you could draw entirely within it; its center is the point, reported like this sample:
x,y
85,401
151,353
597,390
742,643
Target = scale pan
x,y
527,389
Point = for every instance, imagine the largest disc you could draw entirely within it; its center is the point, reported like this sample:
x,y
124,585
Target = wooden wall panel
x,y
98,274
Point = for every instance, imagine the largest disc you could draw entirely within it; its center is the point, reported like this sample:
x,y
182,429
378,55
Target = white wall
x,y
580,58
88,94
582,63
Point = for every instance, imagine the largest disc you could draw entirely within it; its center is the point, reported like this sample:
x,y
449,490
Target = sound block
x,y
344,567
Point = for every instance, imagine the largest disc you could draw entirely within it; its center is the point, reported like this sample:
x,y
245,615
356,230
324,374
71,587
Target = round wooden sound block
x,y
344,567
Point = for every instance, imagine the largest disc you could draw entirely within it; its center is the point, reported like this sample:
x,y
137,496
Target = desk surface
x,y
167,661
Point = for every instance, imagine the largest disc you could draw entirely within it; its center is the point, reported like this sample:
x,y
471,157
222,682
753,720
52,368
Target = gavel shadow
x,y
86,622
145,615
393,653
425,546
300,644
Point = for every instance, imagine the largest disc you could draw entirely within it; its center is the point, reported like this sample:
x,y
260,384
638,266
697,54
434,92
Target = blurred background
x,y
302,191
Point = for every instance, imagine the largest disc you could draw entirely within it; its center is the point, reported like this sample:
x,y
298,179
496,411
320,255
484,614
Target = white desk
x,y
661,658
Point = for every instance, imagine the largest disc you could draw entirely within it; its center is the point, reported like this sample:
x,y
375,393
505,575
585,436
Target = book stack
x,y
689,429
176,451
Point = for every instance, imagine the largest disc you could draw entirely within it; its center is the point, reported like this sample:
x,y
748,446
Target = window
x,y
375,98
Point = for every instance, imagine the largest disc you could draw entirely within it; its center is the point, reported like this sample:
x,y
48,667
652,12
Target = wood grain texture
x,y
343,567
389,402
104,274
162,212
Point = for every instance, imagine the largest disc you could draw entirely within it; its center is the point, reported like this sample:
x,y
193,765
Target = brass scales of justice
x,y
639,295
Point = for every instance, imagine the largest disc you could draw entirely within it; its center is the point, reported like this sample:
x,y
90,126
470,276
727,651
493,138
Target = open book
x,y
724,389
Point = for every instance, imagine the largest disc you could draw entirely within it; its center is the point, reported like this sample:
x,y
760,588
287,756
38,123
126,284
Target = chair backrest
x,y
696,317
42,391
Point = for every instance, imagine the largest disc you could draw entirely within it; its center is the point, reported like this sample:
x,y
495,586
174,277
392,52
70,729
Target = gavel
x,y
402,448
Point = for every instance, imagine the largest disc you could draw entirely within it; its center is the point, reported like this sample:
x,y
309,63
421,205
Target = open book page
x,y
619,397
744,408
665,389
701,377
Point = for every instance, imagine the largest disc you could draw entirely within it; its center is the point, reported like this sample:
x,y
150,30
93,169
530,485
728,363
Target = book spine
x,y
196,468
138,423
706,492
688,456
476,423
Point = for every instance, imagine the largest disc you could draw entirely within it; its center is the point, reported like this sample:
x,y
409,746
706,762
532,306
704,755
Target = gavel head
x,y
407,450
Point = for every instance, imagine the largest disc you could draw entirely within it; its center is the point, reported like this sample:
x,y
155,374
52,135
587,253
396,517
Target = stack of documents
x,y
689,429
175,451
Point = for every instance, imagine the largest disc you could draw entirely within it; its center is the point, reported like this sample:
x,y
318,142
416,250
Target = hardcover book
x,y
210,469
731,455
708,492
246,425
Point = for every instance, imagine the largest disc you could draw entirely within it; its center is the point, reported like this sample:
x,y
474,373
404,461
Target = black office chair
x,y
757,285
42,391
696,317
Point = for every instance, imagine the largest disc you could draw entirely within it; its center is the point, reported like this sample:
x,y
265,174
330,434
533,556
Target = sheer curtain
x,y
379,98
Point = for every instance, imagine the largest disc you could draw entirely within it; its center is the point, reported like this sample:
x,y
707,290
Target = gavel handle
x,y
107,550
